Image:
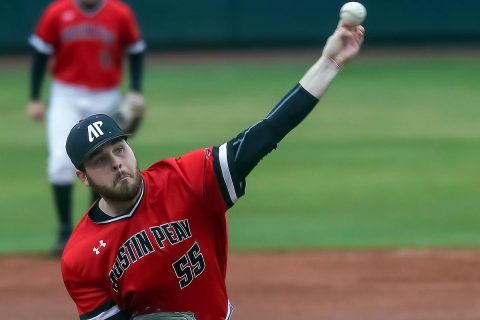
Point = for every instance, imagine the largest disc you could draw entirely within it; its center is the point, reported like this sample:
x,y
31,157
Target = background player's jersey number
x,y
189,266
106,60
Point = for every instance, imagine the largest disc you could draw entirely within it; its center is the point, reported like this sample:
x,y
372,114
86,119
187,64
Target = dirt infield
x,y
347,285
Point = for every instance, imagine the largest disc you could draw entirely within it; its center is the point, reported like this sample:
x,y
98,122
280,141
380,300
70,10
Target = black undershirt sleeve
x,y
37,74
136,71
104,307
120,316
250,146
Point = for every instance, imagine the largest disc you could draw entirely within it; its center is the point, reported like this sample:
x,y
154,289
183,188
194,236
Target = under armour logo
x,y
101,244
207,153
68,15
94,130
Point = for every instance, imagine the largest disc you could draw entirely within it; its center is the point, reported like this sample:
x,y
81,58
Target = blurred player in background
x,y
155,245
87,40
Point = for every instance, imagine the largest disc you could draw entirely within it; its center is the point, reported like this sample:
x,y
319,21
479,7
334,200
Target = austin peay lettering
x,y
139,246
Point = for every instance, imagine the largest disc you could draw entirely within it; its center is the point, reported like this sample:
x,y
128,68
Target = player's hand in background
x,y
344,43
36,110
137,108
137,102
129,114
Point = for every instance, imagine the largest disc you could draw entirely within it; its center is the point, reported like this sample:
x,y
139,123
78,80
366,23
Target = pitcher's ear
x,y
82,176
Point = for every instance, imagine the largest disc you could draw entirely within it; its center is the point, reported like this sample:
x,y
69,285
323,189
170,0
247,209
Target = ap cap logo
x,y
94,130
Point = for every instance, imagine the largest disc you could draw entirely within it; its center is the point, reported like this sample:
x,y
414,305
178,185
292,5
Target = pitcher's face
x,y
113,172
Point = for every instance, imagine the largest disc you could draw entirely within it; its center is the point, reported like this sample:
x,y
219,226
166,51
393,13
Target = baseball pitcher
x,y
155,245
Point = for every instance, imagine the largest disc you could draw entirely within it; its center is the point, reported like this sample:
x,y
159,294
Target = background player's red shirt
x,y
169,253
88,47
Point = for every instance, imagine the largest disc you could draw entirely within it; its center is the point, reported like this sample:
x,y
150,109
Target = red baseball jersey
x,y
169,253
88,46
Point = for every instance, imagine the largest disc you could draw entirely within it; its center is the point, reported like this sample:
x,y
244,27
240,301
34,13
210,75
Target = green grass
x,y
390,157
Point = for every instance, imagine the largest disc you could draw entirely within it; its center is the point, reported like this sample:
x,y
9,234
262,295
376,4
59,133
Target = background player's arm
x,y
135,48
35,108
136,80
134,100
43,42
250,146
136,62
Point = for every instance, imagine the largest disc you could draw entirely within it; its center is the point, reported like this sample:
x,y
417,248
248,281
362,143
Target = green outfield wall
x,y
263,23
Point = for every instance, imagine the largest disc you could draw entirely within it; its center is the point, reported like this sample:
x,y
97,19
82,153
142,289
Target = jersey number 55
x,y
189,266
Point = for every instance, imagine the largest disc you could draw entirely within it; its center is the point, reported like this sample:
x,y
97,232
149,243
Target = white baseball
x,y
353,13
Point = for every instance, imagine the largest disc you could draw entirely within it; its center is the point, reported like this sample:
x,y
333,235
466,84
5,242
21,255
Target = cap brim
x,y
89,153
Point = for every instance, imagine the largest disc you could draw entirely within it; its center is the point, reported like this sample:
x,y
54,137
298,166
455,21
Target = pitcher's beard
x,y
122,190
